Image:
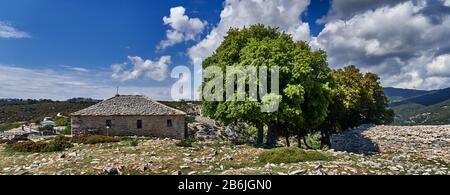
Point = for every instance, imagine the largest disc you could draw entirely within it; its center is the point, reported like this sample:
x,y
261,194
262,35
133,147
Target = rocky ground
x,y
367,150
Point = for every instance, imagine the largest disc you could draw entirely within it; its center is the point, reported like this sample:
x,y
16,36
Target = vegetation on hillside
x,y
418,107
428,99
9,126
416,114
13,110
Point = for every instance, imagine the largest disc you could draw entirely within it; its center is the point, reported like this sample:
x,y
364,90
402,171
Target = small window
x,y
139,124
108,123
169,123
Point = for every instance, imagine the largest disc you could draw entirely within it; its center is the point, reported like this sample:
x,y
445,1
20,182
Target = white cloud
x,y
155,70
284,14
182,28
440,66
402,43
18,82
345,9
446,3
7,31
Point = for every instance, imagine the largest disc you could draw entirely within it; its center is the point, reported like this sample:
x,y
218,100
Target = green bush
x,y
95,139
55,145
292,155
67,130
46,128
134,142
9,126
186,143
60,122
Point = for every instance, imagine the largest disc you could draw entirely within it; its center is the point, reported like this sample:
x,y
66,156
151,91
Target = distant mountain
x,y
421,97
396,94
418,107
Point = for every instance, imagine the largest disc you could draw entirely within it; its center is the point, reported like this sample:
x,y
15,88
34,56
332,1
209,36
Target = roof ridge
x,y
176,110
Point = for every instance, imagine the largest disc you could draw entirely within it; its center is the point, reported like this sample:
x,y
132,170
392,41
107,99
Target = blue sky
x,y
62,49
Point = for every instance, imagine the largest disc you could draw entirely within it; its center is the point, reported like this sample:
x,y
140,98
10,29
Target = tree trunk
x,y
306,144
288,143
260,139
299,141
325,140
271,135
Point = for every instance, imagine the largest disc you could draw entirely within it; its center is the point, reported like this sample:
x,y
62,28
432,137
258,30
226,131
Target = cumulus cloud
x,y
284,14
182,28
345,9
405,43
62,84
8,31
440,66
154,70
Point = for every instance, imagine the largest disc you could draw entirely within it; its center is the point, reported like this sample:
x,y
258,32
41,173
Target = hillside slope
x,y
418,107
428,99
397,95
32,110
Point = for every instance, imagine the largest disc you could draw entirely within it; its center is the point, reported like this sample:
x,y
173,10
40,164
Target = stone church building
x,y
130,115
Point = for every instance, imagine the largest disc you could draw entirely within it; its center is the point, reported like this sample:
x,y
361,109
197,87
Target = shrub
x,y
67,130
292,155
60,122
186,143
9,126
134,142
94,139
55,145
46,128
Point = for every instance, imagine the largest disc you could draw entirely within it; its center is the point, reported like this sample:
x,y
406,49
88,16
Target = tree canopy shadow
x,y
354,141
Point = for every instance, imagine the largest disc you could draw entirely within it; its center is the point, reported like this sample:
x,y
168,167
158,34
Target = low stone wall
x,y
152,126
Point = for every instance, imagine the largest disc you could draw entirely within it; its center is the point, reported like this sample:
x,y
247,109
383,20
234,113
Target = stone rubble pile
x,y
429,142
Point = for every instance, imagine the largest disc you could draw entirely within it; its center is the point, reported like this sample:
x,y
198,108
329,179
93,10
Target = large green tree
x,y
304,82
357,99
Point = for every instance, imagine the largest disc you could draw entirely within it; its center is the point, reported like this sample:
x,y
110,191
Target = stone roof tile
x,y
128,105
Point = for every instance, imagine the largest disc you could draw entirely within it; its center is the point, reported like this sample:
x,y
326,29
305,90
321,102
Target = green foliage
x,y
186,143
415,114
67,130
95,139
46,128
357,99
292,155
314,141
9,126
246,135
134,142
55,145
60,122
304,80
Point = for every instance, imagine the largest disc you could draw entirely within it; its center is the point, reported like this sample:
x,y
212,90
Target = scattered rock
x,y
112,171
192,173
298,172
178,172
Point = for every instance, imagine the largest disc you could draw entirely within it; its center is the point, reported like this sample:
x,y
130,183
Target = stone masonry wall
x,y
154,126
